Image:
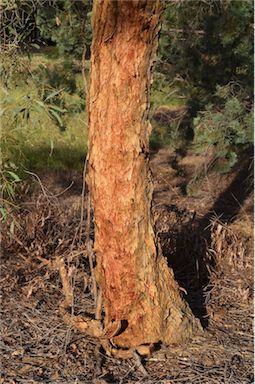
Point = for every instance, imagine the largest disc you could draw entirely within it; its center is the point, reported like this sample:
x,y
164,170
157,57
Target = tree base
x,y
178,327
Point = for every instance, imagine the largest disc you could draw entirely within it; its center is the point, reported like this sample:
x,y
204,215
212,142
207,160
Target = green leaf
x,y
34,45
18,110
58,109
10,191
26,114
12,165
57,117
40,103
3,213
39,108
15,177
53,94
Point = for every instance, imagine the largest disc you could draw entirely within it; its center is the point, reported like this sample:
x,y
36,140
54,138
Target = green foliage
x,y
67,24
28,24
18,27
9,180
166,133
62,75
206,44
206,54
38,121
27,104
226,126
174,134
41,126
13,66
43,119
163,92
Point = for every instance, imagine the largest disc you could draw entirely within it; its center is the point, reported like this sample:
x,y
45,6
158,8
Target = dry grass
x,y
37,347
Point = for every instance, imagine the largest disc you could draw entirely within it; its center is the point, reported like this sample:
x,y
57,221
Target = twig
x,y
88,241
94,284
79,227
83,198
139,365
83,68
99,361
65,190
67,289
44,191
88,218
98,314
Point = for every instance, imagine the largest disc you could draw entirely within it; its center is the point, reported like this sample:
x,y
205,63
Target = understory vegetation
x,y
43,120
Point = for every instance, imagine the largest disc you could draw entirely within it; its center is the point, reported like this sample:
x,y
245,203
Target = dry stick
x,y
99,361
92,327
83,66
90,253
98,314
81,219
83,69
139,365
44,190
87,232
80,226
180,119
88,241
65,190
83,198
67,289
94,284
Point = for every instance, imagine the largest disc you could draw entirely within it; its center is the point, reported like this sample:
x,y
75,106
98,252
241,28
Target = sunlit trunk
x,y
138,288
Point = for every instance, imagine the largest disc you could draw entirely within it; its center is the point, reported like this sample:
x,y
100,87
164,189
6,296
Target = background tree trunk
x,y
139,290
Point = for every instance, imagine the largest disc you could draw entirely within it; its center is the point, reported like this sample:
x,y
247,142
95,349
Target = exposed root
x,y
110,350
91,327
83,324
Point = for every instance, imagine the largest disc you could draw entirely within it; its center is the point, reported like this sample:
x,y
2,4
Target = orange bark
x,y
138,288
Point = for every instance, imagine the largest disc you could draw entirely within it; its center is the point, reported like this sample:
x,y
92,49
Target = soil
x,y
206,237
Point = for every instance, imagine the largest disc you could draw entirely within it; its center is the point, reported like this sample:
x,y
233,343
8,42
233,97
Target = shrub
x,y
226,126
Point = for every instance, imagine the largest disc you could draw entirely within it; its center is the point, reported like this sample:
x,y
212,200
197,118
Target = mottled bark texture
x,y
139,290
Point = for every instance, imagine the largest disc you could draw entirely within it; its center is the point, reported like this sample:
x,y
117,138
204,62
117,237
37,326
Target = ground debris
x,y
212,262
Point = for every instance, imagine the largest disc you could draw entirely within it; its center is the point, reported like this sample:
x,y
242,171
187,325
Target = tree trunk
x,y
139,290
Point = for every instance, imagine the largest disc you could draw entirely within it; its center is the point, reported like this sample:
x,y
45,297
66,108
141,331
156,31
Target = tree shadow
x,y
186,243
62,158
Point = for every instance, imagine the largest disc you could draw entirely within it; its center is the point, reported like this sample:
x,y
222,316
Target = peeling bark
x,y
139,290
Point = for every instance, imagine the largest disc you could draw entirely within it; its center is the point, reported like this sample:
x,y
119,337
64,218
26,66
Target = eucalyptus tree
x,y
141,299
